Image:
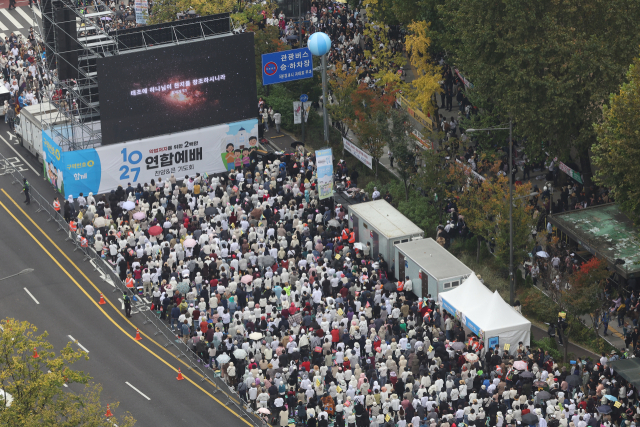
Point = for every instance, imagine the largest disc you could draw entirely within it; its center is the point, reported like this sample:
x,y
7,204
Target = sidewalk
x,y
615,336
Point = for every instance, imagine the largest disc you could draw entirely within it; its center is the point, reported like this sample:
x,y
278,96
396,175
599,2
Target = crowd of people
x,y
265,283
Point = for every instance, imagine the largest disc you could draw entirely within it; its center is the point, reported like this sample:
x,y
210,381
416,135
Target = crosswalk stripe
x,y
28,18
3,27
2,35
37,12
11,18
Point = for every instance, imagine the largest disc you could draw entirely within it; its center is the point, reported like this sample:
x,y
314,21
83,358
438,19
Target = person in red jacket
x,y
335,336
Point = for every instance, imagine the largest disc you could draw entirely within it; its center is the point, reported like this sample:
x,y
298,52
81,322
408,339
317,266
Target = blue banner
x,y
214,149
324,160
286,66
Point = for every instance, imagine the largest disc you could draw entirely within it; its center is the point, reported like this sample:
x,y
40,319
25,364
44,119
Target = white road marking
x,y
79,345
121,302
14,150
64,384
31,295
11,18
3,28
143,395
37,11
28,18
103,276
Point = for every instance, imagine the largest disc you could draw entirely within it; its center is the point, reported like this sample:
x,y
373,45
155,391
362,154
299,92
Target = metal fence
x,y
109,275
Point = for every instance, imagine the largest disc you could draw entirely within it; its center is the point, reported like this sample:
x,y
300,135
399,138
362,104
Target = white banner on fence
x,y
99,170
358,153
297,112
324,160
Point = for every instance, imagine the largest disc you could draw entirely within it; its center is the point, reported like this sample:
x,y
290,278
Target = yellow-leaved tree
x,y
35,384
167,10
381,54
425,85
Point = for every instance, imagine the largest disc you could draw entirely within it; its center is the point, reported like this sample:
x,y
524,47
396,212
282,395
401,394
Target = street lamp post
x,y
512,282
319,44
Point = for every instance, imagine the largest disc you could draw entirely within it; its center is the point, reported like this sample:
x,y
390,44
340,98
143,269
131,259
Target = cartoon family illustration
x,y
54,175
238,158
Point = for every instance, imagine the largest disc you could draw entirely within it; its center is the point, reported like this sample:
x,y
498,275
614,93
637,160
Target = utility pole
x,y
301,81
512,281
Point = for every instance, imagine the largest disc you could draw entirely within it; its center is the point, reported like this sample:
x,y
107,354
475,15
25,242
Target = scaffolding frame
x,y
90,43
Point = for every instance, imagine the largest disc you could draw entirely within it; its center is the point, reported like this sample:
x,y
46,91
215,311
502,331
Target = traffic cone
x,y
138,337
102,301
108,414
179,377
35,353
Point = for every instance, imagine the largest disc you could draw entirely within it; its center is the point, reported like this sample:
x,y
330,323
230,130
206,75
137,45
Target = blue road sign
x,y
304,98
285,66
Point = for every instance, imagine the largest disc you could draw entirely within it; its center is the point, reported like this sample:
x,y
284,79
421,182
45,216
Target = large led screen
x,y
177,88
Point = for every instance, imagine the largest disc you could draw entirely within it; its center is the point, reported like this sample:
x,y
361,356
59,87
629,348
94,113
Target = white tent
x,y
486,314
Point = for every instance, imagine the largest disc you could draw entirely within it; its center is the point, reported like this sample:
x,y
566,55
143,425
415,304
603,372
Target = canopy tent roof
x,y
629,369
485,313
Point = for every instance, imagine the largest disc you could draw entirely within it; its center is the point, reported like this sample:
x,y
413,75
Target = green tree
x,y
36,384
485,208
402,146
616,152
550,65
342,83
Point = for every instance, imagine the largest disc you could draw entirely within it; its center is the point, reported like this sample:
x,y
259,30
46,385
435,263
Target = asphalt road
x,y
60,296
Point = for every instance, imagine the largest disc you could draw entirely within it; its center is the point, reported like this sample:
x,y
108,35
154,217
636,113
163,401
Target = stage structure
x,y
74,43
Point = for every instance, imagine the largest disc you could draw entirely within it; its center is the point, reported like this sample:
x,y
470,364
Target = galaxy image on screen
x,y
177,88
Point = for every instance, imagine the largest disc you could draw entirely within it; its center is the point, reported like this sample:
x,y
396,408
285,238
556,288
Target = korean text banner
x,y
280,67
208,150
177,88
358,153
324,159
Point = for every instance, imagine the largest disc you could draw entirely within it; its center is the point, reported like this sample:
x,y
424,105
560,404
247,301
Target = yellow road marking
x,y
106,299
110,303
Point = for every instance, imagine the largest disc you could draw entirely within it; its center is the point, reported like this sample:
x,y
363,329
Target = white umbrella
x,y
139,216
128,205
542,254
223,358
189,243
264,411
99,222
255,335
520,365
471,357
240,353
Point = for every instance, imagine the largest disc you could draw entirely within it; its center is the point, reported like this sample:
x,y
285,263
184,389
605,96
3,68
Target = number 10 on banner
x,y
133,158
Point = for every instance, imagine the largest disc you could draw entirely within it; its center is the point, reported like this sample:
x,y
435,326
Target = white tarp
x,y
486,314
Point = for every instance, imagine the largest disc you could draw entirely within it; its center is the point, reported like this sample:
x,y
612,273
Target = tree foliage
x,y
402,146
36,384
371,108
381,54
342,84
425,85
617,150
550,65
485,208
167,10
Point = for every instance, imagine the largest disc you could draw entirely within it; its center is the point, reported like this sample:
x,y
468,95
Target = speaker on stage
x,y
67,46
